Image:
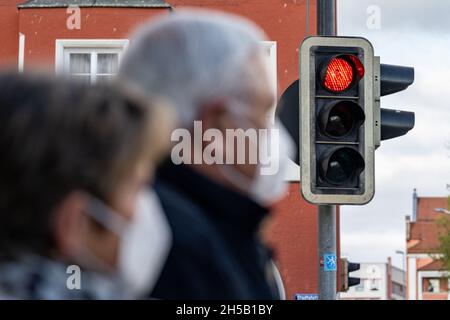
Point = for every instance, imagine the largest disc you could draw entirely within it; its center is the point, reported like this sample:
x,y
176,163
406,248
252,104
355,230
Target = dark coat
x,y
216,253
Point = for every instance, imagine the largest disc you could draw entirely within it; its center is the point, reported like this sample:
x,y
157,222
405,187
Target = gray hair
x,y
193,57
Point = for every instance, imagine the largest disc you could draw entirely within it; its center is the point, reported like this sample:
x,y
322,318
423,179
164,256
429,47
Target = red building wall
x,y
42,27
422,239
9,32
293,229
293,234
283,21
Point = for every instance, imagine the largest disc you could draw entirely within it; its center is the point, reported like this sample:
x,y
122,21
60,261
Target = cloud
x,y
414,33
410,16
382,245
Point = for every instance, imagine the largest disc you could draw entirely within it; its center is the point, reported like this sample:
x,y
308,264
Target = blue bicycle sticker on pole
x,y
329,262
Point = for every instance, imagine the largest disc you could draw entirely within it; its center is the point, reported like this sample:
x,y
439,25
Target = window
x,y
433,285
270,50
91,65
90,61
374,284
360,286
398,289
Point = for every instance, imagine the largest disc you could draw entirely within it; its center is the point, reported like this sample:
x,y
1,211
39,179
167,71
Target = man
x,y
75,161
212,68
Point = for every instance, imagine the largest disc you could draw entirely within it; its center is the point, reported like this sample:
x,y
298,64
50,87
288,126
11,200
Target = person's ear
x,y
71,223
214,116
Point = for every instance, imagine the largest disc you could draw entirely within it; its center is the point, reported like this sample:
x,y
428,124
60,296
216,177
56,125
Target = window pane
x,y
107,63
434,285
360,286
80,63
374,285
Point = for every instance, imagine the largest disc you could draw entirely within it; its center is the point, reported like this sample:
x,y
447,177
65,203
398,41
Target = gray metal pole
x,y
326,17
327,252
326,26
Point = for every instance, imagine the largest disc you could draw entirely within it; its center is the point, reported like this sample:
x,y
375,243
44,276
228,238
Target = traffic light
x,y
393,79
337,124
340,120
347,281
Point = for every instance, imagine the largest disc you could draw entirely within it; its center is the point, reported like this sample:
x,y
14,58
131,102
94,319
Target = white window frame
x,y
293,172
21,53
93,52
412,285
361,287
271,47
429,274
64,47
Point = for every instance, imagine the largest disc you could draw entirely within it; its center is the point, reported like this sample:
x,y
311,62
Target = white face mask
x,y
145,242
269,184
269,187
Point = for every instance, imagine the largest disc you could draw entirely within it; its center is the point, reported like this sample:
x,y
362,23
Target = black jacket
x,y
216,251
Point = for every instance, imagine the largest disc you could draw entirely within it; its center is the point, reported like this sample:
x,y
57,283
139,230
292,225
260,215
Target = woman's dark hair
x,y
56,137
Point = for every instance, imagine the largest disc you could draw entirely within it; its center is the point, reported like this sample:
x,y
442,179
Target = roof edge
x,y
415,250
155,6
93,4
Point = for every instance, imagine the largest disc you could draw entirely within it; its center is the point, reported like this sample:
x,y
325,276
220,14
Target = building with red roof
x,y
426,277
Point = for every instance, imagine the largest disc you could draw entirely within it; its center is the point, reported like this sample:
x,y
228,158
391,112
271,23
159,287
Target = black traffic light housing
x,y
337,120
393,79
395,123
351,267
315,115
347,281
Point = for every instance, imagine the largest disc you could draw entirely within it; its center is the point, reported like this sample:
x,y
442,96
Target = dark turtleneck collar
x,y
222,205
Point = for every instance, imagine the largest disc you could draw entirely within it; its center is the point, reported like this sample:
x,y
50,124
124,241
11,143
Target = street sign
x,y
306,296
329,262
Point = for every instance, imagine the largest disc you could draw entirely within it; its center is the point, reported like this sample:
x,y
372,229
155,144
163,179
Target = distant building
x,y
426,276
379,281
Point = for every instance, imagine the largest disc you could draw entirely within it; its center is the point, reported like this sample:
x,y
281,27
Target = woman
x,y
75,161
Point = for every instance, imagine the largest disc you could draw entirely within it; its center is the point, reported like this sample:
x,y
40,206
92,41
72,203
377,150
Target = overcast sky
x,y
414,33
